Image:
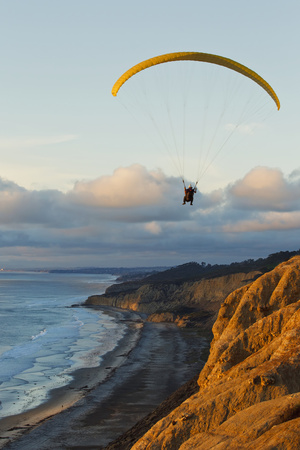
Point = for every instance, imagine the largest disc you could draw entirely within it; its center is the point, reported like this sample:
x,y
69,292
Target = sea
x,y
44,337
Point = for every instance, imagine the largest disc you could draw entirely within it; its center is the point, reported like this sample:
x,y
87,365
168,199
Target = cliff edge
x,y
249,389
186,303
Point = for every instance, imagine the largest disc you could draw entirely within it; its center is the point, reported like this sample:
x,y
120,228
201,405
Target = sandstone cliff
x,y
249,389
184,303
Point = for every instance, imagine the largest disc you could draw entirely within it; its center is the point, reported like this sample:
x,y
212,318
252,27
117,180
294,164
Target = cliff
x,y
249,389
183,302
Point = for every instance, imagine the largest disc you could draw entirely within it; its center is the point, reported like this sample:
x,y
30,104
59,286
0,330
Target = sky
x,y
80,186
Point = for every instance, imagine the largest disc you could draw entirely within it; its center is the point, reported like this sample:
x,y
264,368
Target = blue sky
x,y
77,187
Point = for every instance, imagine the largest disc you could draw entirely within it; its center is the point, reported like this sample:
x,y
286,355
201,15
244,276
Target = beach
x,y
150,362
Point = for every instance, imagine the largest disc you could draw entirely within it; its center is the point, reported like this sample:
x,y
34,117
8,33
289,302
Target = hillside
x,y
249,390
188,295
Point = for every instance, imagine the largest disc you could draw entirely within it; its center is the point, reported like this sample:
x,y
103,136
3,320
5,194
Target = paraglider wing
x,y
196,56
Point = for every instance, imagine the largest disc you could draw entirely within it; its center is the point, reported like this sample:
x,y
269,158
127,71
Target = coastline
x,y
150,362
84,380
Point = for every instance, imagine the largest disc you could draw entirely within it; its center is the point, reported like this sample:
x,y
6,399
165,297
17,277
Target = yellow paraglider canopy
x,y
193,111
196,56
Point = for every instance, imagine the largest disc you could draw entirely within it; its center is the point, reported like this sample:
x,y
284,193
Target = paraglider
x,y
189,194
179,136
196,56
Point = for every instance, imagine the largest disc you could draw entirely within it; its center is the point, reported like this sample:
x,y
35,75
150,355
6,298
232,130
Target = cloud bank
x,y
135,217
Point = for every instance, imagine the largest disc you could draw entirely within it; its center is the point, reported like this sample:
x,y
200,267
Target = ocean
x,y
43,338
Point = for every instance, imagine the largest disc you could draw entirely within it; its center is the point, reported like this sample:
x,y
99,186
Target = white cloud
x,y
265,189
128,187
34,141
248,128
266,222
153,228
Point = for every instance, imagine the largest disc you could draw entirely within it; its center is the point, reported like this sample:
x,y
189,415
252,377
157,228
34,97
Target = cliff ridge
x,y
186,303
249,389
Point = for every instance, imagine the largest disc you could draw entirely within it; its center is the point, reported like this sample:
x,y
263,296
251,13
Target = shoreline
x,y
150,363
83,381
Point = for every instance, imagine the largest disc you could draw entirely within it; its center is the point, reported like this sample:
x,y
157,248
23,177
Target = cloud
x,y
34,141
295,175
266,222
265,189
246,129
153,228
19,206
135,217
212,200
128,187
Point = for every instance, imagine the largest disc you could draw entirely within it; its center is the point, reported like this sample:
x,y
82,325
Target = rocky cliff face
x,y
179,301
249,389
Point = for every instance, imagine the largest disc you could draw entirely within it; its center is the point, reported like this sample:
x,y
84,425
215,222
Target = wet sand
x,y
102,403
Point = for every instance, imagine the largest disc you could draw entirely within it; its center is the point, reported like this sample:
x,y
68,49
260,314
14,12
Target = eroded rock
x,y
249,389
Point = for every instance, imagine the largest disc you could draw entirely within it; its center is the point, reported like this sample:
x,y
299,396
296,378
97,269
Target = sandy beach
x,y
101,403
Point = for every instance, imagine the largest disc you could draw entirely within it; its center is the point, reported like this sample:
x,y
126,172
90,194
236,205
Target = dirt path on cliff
x,y
165,358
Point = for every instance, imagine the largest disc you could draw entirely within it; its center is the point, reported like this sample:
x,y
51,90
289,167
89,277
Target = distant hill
x,y
194,271
191,271
126,272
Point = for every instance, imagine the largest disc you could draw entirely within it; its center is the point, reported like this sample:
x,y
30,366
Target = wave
x,y
41,333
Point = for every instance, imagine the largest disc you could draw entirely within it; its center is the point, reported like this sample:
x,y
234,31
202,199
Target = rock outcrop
x,y
249,389
183,303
